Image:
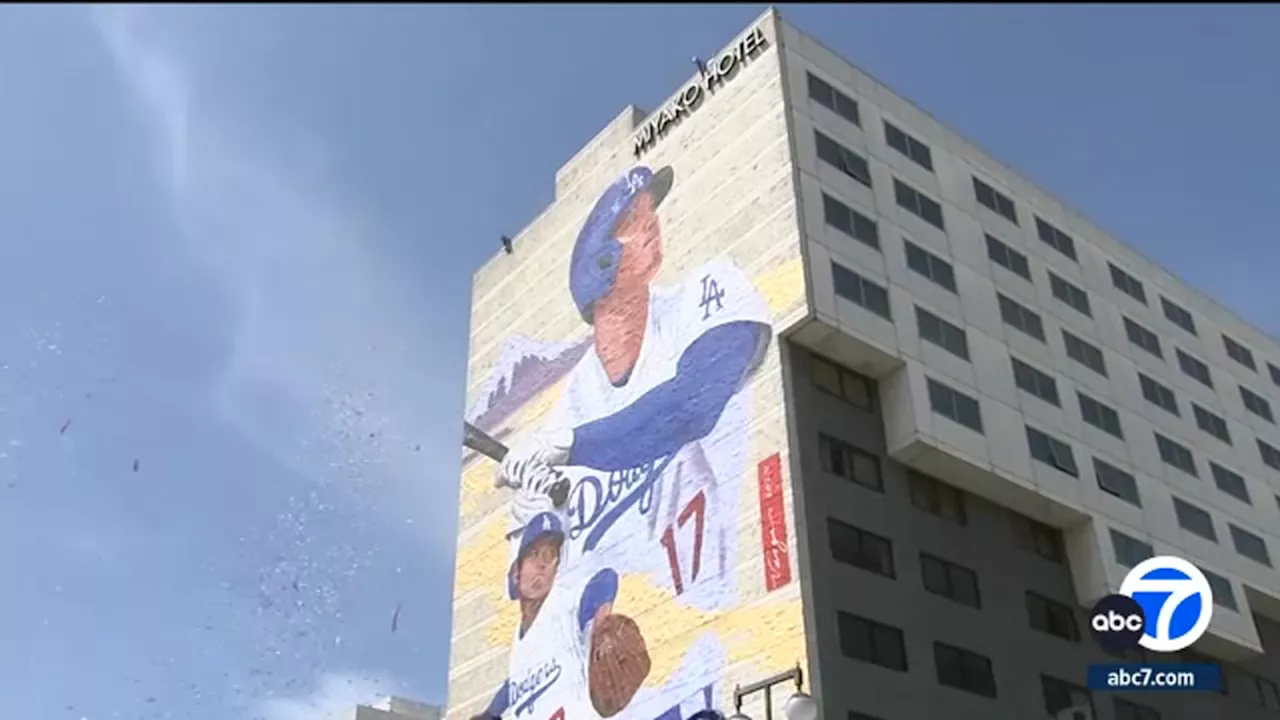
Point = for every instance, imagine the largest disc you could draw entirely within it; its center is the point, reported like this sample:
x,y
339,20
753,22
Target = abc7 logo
x,y
1169,593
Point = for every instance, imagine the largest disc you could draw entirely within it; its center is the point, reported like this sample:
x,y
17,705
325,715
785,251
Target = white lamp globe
x,y
739,716
800,706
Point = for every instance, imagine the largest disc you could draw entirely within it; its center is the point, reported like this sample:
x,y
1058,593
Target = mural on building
x,y
611,562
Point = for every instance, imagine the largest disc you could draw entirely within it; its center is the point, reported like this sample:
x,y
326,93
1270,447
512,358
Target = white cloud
x,y
334,697
327,371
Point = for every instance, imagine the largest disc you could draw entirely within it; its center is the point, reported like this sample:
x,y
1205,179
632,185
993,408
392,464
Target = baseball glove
x,y
619,663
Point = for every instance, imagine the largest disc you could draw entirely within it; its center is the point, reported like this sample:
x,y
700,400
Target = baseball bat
x,y
489,446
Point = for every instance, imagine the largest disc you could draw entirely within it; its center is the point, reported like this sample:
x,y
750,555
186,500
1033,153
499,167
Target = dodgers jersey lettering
x,y
680,530
548,666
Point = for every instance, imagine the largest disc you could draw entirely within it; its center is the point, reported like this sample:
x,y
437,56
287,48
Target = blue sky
x,y
236,246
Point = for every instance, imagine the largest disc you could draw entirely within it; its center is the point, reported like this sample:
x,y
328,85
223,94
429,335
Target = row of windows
x,y
863,468
1129,551
884,645
875,297
846,107
931,495
930,210
1029,322
1054,452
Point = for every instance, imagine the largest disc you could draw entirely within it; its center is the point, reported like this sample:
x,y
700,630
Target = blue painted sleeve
x,y
678,411
500,701
601,589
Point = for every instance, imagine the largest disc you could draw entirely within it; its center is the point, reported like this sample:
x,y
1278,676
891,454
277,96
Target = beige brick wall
x,y
733,198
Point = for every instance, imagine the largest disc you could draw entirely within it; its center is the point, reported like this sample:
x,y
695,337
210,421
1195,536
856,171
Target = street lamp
x,y
800,706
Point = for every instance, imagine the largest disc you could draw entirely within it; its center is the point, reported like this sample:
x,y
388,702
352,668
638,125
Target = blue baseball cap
x,y
541,525
593,267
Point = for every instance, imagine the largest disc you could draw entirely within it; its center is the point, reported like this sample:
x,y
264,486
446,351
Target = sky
x,y
236,246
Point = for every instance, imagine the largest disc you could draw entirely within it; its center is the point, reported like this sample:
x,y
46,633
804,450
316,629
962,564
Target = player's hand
x,y
531,499
548,449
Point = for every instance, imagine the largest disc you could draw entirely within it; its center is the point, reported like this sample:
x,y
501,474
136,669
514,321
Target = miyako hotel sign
x,y
718,72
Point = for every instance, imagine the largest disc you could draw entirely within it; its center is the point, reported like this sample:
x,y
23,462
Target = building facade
x,y
392,708
832,387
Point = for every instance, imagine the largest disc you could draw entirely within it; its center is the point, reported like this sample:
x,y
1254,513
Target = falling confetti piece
x,y
135,464
62,430
395,618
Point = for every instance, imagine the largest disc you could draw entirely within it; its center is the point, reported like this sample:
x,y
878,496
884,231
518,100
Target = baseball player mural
x,y
635,471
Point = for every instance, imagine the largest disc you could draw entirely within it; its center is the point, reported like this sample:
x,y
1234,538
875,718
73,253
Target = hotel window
x,y
1194,520
1051,451
1263,693
850,222
860,291
1084,353
1052,617
917,151
964,670
872,642
1143,338
1158,394
1055,238
842,158
1127,284
1064,700
918,204
1178,315
1230,482
840,458
995,201
1193,368
1211,423
1269,454
1176,455
1034,382
950,580
1012,260
937,498
1034,536
1114,481
1250,545
1239,353
1070,294
954,405
1021,318
824,94
1222,593
860,548
1256,404
945,335
930,266
1129,551
844,384
1100,415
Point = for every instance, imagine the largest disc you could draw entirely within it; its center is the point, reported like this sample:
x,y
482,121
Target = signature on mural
x,y
651,431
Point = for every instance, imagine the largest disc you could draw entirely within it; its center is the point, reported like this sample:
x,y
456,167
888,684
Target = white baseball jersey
x,y
547,675
681,530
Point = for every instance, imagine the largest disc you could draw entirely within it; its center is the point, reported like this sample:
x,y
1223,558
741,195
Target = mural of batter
x,y
651,437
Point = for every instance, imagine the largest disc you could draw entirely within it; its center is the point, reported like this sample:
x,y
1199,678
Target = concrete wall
x,y
999,629
729,224
996,462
